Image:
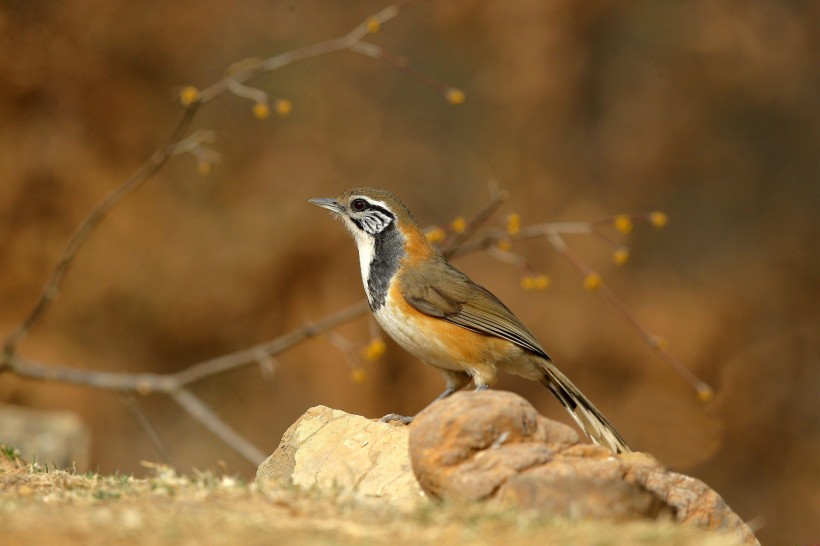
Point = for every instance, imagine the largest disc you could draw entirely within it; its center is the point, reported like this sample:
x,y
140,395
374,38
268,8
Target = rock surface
x,y
55,438
494,446
332,449
490,446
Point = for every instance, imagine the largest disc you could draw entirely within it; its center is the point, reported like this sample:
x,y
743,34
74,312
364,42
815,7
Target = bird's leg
x,y
481,387
403,419
455,381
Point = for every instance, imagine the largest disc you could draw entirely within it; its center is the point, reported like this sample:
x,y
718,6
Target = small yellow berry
x,y
283,107
261,110
188,95
503,244
454,96
620,256
592,282
542,282
358,376
705,392
535,282
374,349
459,224
204,167
435,235
513,224
373,25
623,223
659,343
658,219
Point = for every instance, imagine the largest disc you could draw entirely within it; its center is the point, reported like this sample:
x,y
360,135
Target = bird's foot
x,y
403,419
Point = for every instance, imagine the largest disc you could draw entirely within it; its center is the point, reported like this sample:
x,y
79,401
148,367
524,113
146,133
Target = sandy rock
x,y
332,449
493,445
55,438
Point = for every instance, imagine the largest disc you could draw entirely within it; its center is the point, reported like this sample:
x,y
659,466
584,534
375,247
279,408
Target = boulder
x,y
53,438
331,449
494,446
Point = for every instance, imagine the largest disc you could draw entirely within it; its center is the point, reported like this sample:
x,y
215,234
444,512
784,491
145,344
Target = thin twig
x,y
97,215
245,357
197,409
132,404
297,55
452,248
147,383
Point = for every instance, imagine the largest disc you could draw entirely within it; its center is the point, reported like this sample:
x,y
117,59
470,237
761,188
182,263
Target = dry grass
x,y
46,506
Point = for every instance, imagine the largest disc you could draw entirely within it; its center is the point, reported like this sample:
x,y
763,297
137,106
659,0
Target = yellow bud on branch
x,y
623,223
535,282
188,95
358,376
283,107
658,219
454,96
261,110
374,350
620,256
593,282
373,25
435,235
513,224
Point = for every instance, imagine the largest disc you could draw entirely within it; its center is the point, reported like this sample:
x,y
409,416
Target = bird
x,y
438,314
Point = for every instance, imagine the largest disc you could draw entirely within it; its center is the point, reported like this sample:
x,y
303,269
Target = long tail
x,y
591,421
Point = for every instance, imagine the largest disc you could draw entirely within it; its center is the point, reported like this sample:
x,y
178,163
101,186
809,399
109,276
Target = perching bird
x,y
438,314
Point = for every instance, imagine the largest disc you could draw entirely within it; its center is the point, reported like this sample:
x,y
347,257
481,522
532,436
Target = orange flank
x,y
444,344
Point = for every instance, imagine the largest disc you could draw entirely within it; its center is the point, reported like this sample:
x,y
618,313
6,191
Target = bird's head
x,y
369,212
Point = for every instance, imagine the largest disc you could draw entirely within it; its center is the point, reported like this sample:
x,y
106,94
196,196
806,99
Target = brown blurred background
x,y
707,110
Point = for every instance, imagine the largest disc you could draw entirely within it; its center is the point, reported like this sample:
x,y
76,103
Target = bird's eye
x,y
358,205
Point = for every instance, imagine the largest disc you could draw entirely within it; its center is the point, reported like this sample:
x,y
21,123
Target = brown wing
x,y
440,290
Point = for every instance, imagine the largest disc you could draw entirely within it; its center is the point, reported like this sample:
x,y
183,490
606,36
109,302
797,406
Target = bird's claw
x,y
403,419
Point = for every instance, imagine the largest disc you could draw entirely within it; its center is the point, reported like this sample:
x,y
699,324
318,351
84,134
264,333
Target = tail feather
x,y
591,421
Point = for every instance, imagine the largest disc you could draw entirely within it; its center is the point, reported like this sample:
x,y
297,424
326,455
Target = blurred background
x,y
707,110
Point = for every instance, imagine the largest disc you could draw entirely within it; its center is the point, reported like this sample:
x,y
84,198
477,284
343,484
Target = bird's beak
x,y
327,203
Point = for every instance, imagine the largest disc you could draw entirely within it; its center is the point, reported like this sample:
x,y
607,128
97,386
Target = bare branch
x,y
496,200
97,215
132,404
197,409
250,356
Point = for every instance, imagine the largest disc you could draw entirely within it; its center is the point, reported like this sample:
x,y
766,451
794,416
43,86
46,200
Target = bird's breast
x,y
438,342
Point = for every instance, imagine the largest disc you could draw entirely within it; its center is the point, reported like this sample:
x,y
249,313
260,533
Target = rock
x,y
494,446
331,449
57,438
490,446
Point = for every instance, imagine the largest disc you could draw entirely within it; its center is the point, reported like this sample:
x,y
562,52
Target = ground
x,y
39,505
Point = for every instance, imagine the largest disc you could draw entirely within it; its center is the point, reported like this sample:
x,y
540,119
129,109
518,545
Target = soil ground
x,y
46,506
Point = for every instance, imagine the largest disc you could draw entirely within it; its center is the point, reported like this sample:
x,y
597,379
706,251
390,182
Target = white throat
x,y
367,249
